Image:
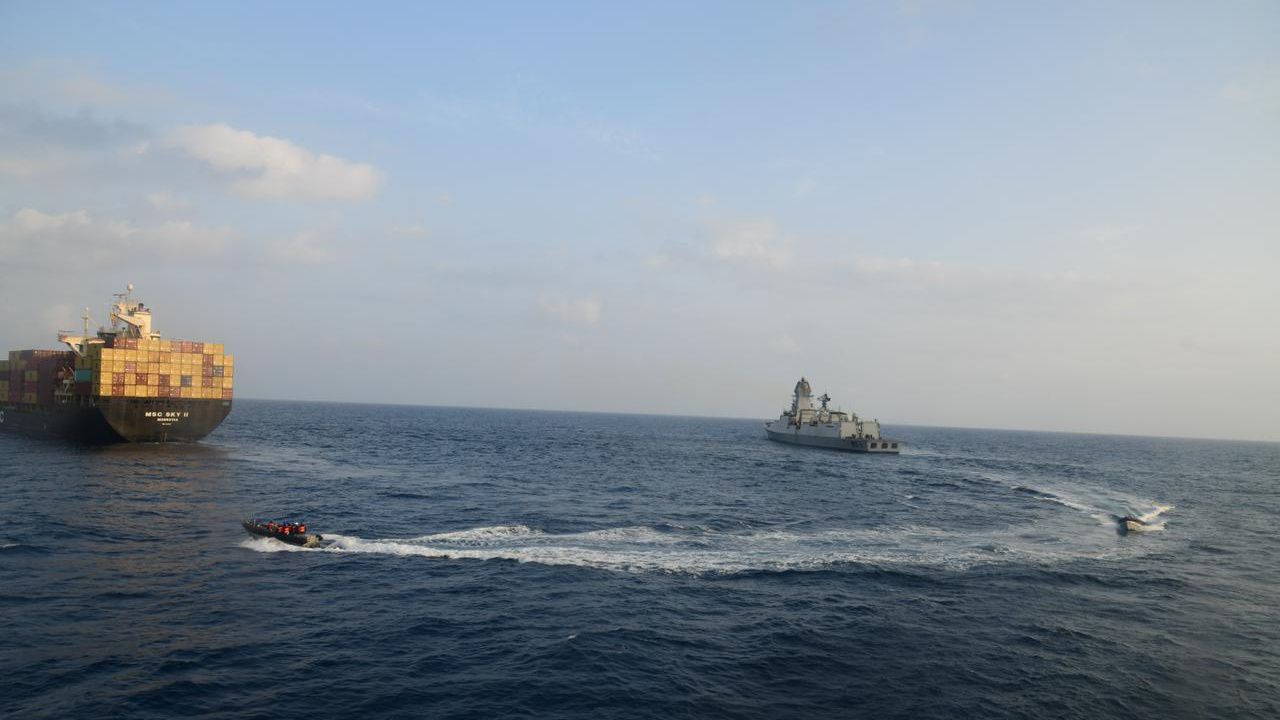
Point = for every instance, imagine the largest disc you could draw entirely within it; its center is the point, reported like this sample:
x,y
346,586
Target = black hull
x,y
300,539
115,420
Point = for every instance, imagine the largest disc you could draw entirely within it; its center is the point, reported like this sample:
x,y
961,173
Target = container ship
x,y
123,384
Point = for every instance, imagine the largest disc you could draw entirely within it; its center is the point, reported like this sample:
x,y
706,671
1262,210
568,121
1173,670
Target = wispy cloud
x,y
804,187
166,202
409,230
274,168
750,242
31,237
305,248
578,312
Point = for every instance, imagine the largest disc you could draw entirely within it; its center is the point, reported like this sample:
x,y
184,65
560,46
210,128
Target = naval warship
x,y
821,426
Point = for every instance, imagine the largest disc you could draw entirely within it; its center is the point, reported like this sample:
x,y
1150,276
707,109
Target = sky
x,y
1042,216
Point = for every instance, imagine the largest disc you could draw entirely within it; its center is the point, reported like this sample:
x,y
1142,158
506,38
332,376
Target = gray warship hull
x,y
858,445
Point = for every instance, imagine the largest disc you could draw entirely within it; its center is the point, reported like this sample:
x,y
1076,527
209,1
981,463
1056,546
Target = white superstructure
x,y
821,426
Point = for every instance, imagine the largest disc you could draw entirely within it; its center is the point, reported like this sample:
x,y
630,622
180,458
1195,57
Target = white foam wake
x,y
702,551
1150,519
1098,503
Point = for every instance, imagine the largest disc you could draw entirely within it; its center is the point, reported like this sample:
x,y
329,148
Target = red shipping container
x,y
206,370
226,393
117,389
208,359
141,379
197,347
164,381
206,382
117,378
131,367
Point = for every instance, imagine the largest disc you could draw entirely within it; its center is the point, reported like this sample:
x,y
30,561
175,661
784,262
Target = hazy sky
x,y
1060,216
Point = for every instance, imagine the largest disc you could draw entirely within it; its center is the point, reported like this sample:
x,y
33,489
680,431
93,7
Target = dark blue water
x,y
519,564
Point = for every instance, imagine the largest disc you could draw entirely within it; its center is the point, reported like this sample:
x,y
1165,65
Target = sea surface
x,y
513,564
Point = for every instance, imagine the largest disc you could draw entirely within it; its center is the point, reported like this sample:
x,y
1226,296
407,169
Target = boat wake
x,y
1150,522
704,551
1098,503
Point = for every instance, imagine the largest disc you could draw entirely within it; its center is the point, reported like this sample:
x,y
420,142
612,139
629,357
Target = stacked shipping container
x,y
30,377
125,367
137,367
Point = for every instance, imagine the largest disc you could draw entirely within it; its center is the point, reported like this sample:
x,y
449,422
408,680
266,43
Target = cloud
x,y
79,239
409,230
616,139
785,345
35,144
657,261
1107,234
804,187
273,168
583,312
305,248
88,90
167,203
754,242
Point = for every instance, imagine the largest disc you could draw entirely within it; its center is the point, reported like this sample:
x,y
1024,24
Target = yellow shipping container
x,y
117,366
153,356
187,392
153,379
226,383
229,361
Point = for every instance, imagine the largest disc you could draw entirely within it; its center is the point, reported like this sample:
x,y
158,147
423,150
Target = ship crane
x,y
135,316
79,344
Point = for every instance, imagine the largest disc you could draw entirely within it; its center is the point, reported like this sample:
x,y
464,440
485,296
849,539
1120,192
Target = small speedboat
x,y
286,531
1129,523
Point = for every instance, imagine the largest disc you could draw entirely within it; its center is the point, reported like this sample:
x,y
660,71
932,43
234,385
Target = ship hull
x,y
879,446
115,420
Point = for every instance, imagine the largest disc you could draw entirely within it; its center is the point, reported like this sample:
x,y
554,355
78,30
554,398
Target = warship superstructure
x,y
820,426
123,384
